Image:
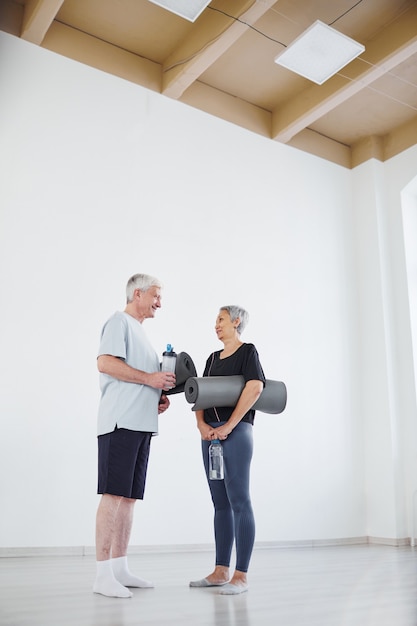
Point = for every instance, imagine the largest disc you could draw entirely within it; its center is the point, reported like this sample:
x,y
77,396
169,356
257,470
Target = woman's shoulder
x,y
213,355
250,352
249,347
245,352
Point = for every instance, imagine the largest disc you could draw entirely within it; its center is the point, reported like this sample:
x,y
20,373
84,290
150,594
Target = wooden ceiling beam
x,y
37,18
91,51
210,38
388,49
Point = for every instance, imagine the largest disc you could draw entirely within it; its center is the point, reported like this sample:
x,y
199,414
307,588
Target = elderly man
x,y
131,400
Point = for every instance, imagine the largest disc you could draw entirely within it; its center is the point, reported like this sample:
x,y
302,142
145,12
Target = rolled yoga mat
x,y
211,391
184,369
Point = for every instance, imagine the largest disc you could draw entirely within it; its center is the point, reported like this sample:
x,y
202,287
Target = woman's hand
x,y
222,432
206,431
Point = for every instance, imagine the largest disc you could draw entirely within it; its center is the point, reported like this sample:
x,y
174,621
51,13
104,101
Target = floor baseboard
x,y
261,545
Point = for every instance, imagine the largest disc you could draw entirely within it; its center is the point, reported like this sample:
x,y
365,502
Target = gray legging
x,y
233,514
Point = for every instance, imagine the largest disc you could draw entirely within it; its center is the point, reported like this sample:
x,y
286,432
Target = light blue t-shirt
x,y
127,405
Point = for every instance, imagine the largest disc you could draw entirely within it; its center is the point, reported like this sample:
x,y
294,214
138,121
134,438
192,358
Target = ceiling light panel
x,y
319,52
188,9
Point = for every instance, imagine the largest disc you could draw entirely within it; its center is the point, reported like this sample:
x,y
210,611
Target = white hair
x,y
236,312
142,282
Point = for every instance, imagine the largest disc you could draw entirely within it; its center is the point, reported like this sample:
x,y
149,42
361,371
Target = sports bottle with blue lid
x,y
216,469
169,360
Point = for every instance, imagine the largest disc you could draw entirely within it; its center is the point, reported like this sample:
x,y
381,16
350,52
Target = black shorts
x,y
122,462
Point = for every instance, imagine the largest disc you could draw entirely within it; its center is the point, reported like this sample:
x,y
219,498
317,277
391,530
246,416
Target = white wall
x,y
409,214
101,179
387,384
409,204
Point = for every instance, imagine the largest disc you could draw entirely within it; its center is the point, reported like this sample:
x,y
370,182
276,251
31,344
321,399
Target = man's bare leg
x,y
106,525
123,528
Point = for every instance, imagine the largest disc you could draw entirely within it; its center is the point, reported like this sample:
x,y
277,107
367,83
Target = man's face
x,y
148,302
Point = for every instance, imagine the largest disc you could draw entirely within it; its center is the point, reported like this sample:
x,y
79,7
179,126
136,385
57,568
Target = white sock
x,y
106,583
123,575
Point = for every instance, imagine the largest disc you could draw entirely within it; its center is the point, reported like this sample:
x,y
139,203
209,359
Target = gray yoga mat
x,y
184,369
211,391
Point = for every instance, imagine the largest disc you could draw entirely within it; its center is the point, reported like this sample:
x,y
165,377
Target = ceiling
x,y
223,63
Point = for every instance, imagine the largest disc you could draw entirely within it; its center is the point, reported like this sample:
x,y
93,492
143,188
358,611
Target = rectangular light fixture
x,y
189,9
319,53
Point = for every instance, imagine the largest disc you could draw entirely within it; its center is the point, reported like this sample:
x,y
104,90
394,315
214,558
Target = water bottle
x,y
169,360
216,470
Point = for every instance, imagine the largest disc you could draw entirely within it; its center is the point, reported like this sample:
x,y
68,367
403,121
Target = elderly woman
x,y
233,514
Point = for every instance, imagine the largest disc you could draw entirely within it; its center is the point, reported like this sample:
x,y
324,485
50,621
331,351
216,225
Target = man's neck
x,y
132,311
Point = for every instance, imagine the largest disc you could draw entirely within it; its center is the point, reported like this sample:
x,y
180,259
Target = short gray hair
x,y
142,282
237,312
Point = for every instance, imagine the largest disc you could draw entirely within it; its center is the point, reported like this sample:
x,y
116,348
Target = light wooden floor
x,y
330,586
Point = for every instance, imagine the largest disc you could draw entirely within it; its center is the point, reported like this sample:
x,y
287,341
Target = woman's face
x,y
225,328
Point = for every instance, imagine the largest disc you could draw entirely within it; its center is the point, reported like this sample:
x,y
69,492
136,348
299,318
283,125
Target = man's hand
x,y
161,380
163,403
